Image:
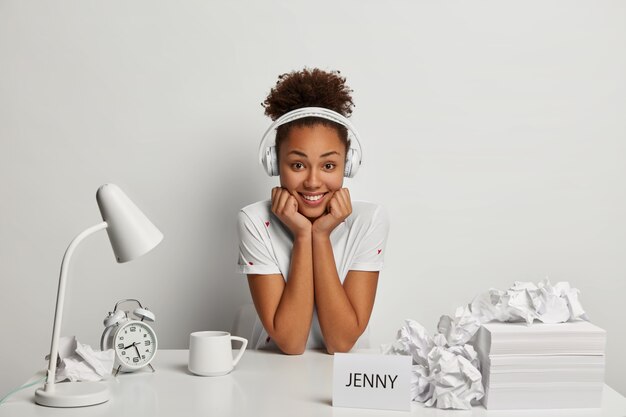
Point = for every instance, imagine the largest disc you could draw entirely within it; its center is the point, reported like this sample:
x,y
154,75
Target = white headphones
x,y
267,152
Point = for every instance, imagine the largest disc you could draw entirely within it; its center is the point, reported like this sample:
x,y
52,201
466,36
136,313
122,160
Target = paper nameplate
x,y
372,381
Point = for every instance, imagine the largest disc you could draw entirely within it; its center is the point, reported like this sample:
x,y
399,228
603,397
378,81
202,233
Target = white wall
x,y
493,132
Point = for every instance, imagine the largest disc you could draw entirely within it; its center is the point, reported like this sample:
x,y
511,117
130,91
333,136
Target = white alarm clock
x,y
133,340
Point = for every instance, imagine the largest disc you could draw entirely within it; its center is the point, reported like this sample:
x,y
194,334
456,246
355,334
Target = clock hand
x,y
138,354
131,345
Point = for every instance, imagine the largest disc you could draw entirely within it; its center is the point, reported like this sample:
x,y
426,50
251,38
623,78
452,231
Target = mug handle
x,y
241,349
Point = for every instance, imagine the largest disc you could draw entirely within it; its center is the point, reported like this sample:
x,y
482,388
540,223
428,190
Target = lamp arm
x,y
58,312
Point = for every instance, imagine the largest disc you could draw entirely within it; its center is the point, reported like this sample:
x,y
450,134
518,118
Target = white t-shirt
x,y
265,245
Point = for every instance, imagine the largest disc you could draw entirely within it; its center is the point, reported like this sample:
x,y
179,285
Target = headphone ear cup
x,y
270,161
352,163
144,314
114,318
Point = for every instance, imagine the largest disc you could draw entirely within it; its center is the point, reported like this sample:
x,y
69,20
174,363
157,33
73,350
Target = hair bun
x,y
309,88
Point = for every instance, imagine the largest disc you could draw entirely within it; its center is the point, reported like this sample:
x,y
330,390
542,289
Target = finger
x,y
292,203
295,199
343,203
282,200
275,194
345,192
334,207
347,200
330,200
340,196
279,192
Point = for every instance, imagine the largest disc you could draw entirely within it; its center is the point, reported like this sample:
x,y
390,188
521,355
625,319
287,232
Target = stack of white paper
x,y
541,365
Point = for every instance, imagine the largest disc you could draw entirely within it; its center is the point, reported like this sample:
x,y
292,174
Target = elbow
x,y
292,351
291,348
339,347
288,342
344,343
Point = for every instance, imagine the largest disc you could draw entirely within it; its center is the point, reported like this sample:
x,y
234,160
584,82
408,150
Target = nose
x,y
312,180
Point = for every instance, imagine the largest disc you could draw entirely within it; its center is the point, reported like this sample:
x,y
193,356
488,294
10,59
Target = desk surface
x,y
264,384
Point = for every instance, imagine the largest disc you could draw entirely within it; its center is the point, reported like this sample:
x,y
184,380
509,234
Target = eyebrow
x,y
300,153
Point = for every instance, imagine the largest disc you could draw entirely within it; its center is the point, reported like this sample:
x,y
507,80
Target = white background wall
x,y
493,131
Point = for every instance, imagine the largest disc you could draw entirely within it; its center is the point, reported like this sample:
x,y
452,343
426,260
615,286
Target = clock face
x,y
135,344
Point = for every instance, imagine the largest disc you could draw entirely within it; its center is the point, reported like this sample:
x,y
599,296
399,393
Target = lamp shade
x,y
130,232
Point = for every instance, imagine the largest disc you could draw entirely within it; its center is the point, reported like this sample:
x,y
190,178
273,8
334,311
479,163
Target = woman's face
x,y
311,164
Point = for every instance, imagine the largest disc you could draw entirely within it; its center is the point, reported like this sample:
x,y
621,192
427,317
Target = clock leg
x,y
151,367
117,371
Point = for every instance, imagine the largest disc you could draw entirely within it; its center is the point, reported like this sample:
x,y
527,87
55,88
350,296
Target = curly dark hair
x,y
309,88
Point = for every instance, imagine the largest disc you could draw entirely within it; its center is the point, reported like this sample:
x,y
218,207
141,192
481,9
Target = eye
x,y
297,166
329,166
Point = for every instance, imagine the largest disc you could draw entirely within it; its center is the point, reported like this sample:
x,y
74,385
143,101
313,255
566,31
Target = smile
x,y
312,199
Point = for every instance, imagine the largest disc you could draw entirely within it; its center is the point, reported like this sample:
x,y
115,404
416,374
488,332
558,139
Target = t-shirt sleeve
x,y
370,253
255,250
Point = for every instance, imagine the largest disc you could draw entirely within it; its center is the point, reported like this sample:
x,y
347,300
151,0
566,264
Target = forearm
x,y
338,320
292,319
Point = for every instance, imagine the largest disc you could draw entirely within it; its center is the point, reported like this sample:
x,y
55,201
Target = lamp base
x,y
73,394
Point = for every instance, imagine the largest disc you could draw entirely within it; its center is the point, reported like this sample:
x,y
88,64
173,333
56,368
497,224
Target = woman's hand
x,y
285,207
339,208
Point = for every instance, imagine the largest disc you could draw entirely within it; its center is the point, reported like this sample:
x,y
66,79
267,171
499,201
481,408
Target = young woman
x,y
311,254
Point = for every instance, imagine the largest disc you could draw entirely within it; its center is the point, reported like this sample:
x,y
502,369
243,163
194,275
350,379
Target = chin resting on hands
x,y
339,208
285,207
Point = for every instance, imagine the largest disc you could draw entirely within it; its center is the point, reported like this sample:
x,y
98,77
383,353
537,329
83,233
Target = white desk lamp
x,y
131,235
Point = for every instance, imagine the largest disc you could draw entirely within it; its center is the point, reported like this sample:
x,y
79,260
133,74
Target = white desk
x,y
263,384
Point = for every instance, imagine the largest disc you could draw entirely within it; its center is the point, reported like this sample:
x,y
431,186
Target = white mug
x,y
211,354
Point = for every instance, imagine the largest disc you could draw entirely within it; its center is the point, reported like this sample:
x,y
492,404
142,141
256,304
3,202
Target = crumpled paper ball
x,y
442,376
79,362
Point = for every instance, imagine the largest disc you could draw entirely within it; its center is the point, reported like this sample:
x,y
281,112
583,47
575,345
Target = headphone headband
x,y
322,113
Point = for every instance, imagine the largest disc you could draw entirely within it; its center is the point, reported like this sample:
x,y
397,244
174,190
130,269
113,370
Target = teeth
x,y
312,197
